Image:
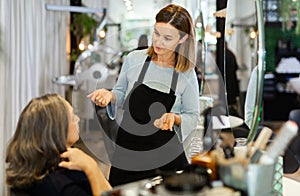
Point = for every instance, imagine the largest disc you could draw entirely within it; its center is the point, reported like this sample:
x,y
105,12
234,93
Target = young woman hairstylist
x,y
158,91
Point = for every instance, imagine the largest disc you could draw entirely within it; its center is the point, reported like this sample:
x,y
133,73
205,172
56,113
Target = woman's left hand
x,y
166,122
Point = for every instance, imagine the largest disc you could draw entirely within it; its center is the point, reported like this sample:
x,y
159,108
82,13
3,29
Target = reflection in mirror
x,y
205,26
212,81
240,52
201,50
261,61
243,22
209,68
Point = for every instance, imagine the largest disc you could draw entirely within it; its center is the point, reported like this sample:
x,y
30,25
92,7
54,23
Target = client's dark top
x,y
63,182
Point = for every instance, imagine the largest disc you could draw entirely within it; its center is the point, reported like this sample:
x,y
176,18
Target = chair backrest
x,y
109,130
291,158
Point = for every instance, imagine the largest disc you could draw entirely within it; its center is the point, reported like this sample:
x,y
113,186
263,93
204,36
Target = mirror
x,y
212,86
244,35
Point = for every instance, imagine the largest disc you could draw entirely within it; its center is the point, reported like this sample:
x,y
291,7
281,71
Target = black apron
x,y
142,149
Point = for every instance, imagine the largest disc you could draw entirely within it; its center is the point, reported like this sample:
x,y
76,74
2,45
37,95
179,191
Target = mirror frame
x,y
261,67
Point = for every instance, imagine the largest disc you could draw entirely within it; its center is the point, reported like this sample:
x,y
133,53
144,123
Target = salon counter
x,y
290,188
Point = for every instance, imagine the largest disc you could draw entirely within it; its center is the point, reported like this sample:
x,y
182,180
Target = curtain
x,y
33,51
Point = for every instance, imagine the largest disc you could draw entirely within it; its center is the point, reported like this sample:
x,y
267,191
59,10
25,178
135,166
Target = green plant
x,y
289,11
74,54
83,25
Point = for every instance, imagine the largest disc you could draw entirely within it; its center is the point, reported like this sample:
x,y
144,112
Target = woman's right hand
x,y
102,97
77,160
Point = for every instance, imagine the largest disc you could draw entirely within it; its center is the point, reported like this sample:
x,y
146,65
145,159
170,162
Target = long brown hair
x,y
38,141
179,18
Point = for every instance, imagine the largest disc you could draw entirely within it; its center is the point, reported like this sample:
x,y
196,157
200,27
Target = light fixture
x,y
81,46
209,30
220,13
79,9
229,31
128,3
101,34
90,46
198,24
252,34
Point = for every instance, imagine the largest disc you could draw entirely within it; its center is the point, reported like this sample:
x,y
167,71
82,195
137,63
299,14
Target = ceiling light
x,y
220,13
198,24
253,34
101,34
81,46
128,3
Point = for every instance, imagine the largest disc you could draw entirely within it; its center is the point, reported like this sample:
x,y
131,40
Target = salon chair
x,y
109,128
291,158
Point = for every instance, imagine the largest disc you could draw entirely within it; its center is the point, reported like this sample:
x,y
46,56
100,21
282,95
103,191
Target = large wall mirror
x,y
244,37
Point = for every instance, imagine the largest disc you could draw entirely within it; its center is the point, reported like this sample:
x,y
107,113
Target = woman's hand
x,y
78,160
167,121
102,97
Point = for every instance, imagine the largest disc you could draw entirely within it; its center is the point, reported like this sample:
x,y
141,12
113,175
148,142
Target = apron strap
x,y
144,70
174,82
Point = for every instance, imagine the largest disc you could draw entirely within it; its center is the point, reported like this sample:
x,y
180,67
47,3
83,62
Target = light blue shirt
x,y
160,78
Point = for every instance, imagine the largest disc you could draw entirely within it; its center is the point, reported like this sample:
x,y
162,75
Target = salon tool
x,y
255,151
287,132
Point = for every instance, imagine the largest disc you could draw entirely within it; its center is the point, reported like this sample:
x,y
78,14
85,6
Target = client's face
x,y
73,134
